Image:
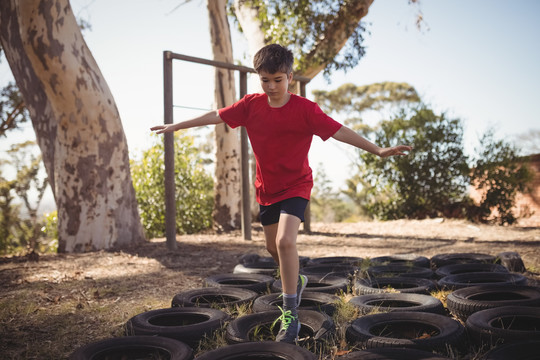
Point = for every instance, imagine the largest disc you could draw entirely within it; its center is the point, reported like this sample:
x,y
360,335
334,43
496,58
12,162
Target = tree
x,y
77,125
316,31
227,183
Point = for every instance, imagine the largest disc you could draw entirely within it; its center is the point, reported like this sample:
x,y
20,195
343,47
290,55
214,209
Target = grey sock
x,y
289,302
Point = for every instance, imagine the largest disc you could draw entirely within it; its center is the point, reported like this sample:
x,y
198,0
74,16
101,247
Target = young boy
x,y
280,126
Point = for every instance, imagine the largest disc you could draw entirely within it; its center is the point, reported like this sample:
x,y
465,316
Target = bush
x,y
499,174
194,189
424,183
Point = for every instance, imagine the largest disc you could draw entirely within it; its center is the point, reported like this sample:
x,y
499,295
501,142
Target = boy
x,y
280,126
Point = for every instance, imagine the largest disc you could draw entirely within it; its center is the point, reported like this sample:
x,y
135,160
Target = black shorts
x,y
294,206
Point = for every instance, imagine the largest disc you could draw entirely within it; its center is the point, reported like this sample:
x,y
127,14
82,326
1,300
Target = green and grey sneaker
x,y
302,283
289,328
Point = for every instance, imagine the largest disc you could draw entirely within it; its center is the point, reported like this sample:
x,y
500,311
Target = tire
x,y
329,269
524,350
134,347
255,282
393,284
330,284
512,261
399,271
441,260
456,269
390,302
316,326
392,354
466,301
316,301
459,281
268,350
336,260
262,267
405,259
406,329
501,325
188,325
211,296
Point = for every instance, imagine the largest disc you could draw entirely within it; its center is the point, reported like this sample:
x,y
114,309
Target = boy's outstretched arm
x,y
210,118
348,136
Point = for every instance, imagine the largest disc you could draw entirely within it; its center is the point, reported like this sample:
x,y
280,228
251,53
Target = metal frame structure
x,y
170,206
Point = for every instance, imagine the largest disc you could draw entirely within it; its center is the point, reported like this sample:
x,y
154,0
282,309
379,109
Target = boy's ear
x,y
290,76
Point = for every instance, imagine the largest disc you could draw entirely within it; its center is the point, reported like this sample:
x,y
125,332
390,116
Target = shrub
x,y
194,188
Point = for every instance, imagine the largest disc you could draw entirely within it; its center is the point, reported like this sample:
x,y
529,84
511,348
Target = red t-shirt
x,y
280,138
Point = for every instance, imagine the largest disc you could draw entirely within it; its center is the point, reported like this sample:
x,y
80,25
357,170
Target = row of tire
x,y
414,323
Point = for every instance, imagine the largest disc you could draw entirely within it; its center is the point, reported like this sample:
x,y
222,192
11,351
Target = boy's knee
x,y
285,243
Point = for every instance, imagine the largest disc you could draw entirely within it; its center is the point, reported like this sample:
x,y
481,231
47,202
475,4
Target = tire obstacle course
x,y
490,309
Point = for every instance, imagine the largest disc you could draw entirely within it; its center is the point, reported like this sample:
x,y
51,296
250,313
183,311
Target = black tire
x,y
316,326
459,281
258,267
389,302
456,269
316,301
512,261
212,296
330,284
524,350
405,259
268,350
441,260
399,271
501,325
336,260
188,325
392,354
134,347
255,282
466,301
393,284
415,330
329,269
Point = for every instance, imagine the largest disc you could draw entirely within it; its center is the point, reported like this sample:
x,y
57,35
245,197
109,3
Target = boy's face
x,y
275,85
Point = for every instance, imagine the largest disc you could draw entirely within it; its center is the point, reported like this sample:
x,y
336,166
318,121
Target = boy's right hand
x,y
160,129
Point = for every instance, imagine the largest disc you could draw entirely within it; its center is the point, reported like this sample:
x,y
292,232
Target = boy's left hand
x,y
394,150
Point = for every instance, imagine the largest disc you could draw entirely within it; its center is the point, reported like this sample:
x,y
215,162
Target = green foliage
x,y
432,177
22,232
194,189
12,109
499,174
303,26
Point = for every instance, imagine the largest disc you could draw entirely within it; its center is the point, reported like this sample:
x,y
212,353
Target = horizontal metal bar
x,y
224,65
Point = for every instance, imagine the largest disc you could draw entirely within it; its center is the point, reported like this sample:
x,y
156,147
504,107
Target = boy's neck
x,y
279,102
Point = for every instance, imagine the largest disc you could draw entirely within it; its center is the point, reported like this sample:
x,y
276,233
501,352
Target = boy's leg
x,y
270,234
287,232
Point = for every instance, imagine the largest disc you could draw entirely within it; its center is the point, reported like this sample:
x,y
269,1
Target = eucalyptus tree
x,y
76,122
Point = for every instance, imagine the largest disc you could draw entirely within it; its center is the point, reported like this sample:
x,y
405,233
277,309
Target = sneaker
x,y
289,328
302,283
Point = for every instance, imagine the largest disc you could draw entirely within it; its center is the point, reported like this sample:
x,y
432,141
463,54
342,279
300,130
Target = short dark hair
x,y
273,58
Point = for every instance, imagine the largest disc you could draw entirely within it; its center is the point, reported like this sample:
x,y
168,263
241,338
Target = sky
x,y
474,60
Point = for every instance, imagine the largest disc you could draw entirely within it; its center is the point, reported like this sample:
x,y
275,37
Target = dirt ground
x,y
58,290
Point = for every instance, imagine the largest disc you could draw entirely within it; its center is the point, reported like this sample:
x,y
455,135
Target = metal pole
x,y
246,208
170,203
307,213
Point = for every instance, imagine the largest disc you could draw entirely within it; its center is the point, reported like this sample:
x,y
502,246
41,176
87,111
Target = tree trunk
x,y
79,130
227,188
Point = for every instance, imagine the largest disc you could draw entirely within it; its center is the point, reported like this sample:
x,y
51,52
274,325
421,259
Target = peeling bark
x,y
80,128
227,188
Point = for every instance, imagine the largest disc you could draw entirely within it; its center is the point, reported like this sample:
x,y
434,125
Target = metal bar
x,y
246,206
307,214
225,65
170,203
